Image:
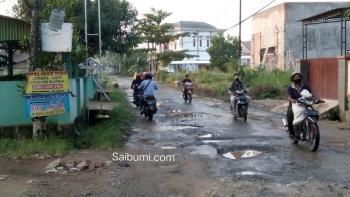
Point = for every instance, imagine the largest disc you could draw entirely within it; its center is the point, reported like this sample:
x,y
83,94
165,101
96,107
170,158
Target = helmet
x,y
295,73
148,76
187,75
236,76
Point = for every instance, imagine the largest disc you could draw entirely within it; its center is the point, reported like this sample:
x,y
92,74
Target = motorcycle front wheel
x,y
313,140
245,114
189,99
150,116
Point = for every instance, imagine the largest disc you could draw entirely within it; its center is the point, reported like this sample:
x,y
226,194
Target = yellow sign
x,y
41,82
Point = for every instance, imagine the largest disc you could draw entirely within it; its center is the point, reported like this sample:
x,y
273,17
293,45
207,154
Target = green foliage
x,y
261,82
223,51
154,33
151,29
118,24
109,133
15,148
126,63
166,57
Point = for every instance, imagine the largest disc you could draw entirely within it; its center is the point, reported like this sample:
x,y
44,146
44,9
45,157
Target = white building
x,y
197,43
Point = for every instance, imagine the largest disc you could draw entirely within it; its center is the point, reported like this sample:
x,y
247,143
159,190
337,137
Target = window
x,y
208,41
175,45
194,41
200,41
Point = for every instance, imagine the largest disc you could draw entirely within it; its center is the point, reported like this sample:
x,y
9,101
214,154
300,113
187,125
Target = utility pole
x,y
86,31
34,26
99,38
240,31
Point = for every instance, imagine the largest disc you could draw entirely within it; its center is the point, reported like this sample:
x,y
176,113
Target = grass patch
x,y
262,83
109,133
13,148
104,135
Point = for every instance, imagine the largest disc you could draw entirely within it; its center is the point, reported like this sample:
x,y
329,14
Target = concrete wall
x,y
267,32
12,102
279,26
323,39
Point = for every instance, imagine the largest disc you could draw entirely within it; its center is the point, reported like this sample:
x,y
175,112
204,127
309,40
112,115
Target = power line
x,y
257,12
223,11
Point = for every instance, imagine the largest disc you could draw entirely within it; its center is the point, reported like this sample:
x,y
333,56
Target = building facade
x,y
196,43
277,40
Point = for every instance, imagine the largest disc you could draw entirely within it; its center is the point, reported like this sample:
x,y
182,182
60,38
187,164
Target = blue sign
x,y
46,105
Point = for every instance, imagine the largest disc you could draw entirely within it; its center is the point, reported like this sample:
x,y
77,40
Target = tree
x,y
118,24
223,51
156,34
167,56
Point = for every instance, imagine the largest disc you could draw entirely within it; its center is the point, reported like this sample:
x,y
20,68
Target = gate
x,y
323,77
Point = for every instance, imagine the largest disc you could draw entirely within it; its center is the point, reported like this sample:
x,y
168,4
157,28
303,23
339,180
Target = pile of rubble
x,y
65,167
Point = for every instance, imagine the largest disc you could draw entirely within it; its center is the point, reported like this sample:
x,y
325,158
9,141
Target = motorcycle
x,y
306,125
188,88
242,105
150,107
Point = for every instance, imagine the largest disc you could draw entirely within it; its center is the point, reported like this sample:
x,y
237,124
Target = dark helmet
x,y
236,76
148,75
138,76
187,75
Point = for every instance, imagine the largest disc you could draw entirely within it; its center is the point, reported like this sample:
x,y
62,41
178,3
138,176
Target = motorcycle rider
x,y
294,91
149,87
236,85
185,80
135,84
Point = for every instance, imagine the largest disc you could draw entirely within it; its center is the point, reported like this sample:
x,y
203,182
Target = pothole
x,y
248,173
244,154
206,135
216,141
168,147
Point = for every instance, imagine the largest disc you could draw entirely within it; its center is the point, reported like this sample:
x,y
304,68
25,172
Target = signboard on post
x,y
41,82
46,105
60,41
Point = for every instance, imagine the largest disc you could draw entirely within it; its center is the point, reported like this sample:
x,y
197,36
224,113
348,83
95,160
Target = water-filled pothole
x,y
206,135
242,154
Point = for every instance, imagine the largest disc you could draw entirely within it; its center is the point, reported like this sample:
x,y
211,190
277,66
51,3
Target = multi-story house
x,y
196,43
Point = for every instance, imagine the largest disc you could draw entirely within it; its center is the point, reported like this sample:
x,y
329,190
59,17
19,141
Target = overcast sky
x,y
220,13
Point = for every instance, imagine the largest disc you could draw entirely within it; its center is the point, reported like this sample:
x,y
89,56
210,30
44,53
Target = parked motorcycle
x,y
150,107
242,105
307,129
188,88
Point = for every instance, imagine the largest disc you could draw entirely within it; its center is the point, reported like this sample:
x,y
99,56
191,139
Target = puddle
x,y
204,150
146,141
242,154
180,114
215,141
175,128
248,173
207,135
168,147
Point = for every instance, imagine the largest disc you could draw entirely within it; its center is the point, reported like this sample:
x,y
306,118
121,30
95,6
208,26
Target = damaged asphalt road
x,y
214,155
219,156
